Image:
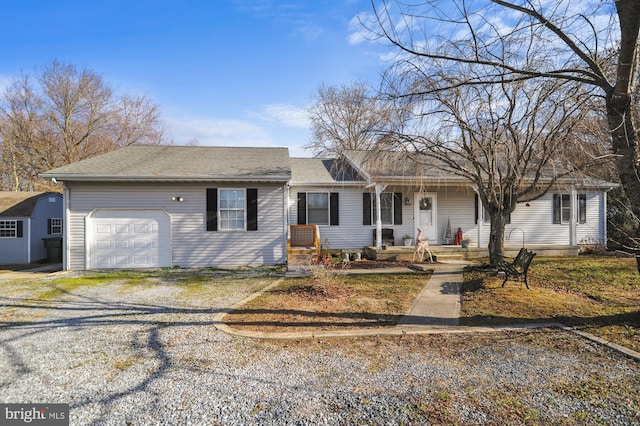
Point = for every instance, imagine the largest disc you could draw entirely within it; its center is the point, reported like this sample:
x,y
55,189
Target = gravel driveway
x,y
146,356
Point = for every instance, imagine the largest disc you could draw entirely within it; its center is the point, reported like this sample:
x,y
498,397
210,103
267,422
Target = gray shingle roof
x,y
174,163
322,171
394,166
20,204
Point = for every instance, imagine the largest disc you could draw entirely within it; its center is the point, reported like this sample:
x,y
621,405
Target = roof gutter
x,y
119,178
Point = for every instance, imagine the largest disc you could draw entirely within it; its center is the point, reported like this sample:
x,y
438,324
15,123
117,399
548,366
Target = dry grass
x,y
598,294
329,302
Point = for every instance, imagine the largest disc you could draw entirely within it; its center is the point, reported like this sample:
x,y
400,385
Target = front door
x,y
425,214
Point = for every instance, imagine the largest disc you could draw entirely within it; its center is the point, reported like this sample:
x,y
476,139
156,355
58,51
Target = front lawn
x,y
329,302
598,294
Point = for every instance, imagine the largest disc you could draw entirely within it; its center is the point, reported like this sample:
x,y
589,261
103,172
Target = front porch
x,y
455,252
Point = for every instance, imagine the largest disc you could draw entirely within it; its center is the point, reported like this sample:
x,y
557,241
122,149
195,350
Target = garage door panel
x,y
120,244
130,242
121,229
102,228
103,244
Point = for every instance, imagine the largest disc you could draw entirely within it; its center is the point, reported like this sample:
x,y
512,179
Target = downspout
x,y
29,240
66,257
286,219
66,261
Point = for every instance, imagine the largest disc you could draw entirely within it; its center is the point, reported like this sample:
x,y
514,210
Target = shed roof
x,y
20,204
180,163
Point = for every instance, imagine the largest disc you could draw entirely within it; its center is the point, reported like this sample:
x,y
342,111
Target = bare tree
x,y
508,140
348,117
66,116
535,40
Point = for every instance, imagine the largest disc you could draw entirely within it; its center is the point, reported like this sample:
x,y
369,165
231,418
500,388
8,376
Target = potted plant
x,y
408,240
465,242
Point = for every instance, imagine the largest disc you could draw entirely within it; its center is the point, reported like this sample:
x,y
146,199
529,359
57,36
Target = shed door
x,y
129,239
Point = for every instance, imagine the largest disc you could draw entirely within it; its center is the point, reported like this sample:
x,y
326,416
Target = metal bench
x,y
518,268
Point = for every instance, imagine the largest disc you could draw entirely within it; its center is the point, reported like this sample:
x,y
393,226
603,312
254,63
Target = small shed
x,y
30,227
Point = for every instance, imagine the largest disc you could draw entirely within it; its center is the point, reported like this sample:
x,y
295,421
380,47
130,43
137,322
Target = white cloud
x,y
287,115
218,132
358,28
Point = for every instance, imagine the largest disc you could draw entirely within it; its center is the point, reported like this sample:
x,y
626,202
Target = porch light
x,y
407,201
178,199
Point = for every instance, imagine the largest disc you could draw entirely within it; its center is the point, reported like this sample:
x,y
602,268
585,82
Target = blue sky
x,y
224,72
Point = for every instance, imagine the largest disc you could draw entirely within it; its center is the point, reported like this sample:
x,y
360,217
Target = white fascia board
x,y
106,178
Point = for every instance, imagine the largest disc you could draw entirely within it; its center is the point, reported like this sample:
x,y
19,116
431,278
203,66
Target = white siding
x,y
192,245
456,204
457,207
536,221
350,233
593,229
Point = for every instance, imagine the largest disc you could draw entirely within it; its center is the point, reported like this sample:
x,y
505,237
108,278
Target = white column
x,y
480,220
573,205
379,189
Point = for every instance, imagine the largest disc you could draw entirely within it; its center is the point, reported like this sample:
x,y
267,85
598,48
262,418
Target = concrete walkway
x,y
435,310
439,301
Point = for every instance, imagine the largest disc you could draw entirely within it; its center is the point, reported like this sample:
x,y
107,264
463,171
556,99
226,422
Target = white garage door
x,y
129,239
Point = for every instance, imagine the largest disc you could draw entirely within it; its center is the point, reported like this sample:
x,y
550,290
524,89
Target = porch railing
x,y
304,236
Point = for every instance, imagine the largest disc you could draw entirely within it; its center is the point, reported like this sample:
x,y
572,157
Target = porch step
x,y
444,257
302,258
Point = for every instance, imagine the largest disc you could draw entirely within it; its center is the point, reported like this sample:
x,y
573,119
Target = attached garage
x,y
129,239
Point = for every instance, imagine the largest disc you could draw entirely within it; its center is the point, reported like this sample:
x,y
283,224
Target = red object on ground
x,y
458,238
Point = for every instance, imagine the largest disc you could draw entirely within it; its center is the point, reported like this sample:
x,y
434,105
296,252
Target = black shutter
x,y
49,227
212,209
19,229
302,208
252,209
475,204
334,210
366,208
557,207
397,208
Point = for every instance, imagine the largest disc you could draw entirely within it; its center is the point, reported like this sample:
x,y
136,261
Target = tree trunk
x,y
624,131
625,146
496,237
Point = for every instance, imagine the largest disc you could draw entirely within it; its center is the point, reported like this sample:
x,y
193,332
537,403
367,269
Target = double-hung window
x,y
8,228
318,208
232,209
562,208
386,208
390,208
